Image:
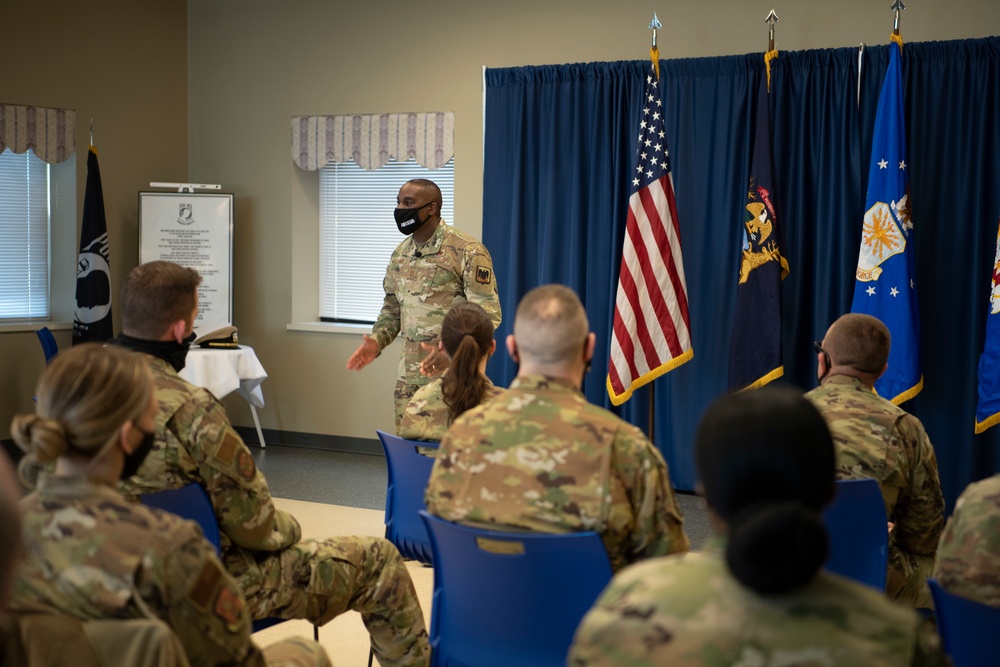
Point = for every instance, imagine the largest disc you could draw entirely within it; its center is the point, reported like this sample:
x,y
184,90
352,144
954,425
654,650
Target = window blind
x,y
24,236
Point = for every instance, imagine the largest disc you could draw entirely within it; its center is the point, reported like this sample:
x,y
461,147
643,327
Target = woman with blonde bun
x,y
91,554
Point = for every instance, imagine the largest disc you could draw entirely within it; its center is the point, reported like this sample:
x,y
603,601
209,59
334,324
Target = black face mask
x,y
134,460
170,351
407,220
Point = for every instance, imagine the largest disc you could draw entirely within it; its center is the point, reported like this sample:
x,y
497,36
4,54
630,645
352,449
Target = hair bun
x,y
776,547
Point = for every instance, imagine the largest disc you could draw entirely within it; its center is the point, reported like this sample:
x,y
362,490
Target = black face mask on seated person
x,y
134,460
170,351
408,220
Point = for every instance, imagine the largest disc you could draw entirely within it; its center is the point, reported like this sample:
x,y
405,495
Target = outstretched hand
x,y
364,355
436,361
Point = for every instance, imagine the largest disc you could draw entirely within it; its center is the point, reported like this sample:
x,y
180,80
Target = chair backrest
x,y
859,534
48,341
970,630
503,599
409,471
188,502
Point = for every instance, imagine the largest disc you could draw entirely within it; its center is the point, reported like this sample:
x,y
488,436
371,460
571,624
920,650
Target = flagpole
x,y
654,54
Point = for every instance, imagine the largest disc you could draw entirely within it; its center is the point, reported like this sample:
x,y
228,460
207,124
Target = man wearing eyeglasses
x,y
879,440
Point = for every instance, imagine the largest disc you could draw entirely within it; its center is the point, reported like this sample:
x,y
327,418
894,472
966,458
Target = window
x,y
25,217
357,233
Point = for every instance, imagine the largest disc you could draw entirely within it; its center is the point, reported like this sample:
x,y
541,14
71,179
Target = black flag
x,y
92,319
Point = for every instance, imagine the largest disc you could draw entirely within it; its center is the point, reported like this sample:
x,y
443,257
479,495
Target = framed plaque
x,y
194,230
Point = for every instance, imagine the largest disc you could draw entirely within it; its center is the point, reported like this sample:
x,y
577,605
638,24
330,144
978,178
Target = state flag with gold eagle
x,y
885,284
755,348
988,408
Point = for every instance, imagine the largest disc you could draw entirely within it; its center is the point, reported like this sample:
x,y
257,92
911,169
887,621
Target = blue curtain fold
x,y
558,149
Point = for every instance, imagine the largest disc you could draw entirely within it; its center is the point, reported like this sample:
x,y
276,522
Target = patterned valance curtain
x,y
373,140
50,133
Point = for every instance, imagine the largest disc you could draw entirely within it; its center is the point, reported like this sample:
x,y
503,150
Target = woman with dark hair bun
x,y
467,339
757,593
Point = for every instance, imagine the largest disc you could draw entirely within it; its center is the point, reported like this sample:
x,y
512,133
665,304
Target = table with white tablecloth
x,y
223,371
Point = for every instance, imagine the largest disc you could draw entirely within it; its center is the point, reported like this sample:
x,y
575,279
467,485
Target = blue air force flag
x,y
92,318
885,285
988,409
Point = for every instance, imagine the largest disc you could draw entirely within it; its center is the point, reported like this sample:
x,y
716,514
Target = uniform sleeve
x,y
200,600
423,418
659,526
919,511
614,632
387,324
238,491
479,283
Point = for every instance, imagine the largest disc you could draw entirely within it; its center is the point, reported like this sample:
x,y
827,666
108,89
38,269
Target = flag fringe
x,y
654,55
768,57
897,39
618,399
904,396
993,420
765,379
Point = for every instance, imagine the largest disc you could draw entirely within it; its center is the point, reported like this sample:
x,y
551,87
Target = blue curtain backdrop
x,y
559,145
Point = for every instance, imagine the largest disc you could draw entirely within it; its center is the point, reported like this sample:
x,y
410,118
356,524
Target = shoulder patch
x,y
484,275
246,465
229,607
226,451
205,585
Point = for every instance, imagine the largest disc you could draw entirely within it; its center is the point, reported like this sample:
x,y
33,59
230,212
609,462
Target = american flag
x,y
652,328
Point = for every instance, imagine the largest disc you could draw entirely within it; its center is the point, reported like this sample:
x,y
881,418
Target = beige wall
x,y
124,64
256,63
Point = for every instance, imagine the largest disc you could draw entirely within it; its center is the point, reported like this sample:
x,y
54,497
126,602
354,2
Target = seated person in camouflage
x,y
467,339
541,458
279,573
90,553
879,440
757,593
968,556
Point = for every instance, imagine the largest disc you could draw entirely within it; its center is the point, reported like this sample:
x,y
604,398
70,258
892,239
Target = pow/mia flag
x,y
92,318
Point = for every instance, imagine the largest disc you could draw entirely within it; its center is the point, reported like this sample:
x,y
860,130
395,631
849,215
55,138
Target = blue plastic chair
x,y
858,530
970,630
191,502
503,599
48,341
409,471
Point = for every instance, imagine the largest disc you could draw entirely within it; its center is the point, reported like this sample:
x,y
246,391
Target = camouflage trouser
x,y
296,652
320,579
906,578
403,393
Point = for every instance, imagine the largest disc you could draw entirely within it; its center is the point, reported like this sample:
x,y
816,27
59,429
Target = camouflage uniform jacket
x,y
422,282
426,416
968,558
541,458
91,554
874,438
687,611
195,443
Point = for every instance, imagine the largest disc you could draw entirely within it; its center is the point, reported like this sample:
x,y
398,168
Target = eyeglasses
x,y
819,350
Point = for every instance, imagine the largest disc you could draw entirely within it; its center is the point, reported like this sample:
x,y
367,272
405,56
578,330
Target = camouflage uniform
x,y
279,573
426,415
876,439
422,282
91,554
968,557
688,611
542,458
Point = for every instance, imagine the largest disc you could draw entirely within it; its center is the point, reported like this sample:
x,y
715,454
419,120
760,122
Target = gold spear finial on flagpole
x,y
654,53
